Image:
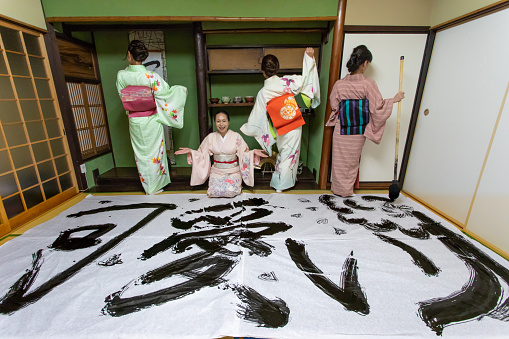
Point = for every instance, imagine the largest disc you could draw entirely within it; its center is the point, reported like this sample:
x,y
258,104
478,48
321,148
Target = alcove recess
x,y
245,60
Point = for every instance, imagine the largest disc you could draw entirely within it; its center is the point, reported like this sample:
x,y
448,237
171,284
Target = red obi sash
x,y
285,113
139,101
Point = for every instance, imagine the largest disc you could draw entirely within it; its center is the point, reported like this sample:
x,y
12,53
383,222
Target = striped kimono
x,y
288,144
147,134
347,149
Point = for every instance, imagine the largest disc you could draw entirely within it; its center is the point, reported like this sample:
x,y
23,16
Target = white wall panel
x,y
377,162
464,90
489,216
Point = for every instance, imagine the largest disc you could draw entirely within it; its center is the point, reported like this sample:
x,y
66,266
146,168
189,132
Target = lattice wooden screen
x,y
89,117
35,167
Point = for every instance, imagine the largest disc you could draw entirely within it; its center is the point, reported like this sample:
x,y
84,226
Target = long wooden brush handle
x,y
401,60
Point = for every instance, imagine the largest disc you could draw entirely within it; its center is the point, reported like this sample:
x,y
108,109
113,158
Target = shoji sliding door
x,y
459,158
35,171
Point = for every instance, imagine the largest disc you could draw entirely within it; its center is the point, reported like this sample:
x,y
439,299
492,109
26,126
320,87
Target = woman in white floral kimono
x,y
233,162
146,127
284,127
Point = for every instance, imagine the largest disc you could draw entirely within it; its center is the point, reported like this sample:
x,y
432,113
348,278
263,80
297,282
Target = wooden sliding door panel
x,y
377,164
464,90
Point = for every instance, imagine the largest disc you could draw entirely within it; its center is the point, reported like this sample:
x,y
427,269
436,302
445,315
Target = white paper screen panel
x,y
489,217
464,90
377,162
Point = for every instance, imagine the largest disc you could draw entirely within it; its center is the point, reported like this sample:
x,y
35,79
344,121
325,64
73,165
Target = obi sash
x,y
139,101
225,160
285,113
353,116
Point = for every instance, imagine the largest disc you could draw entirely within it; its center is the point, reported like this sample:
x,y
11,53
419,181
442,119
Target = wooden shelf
x,y
232,104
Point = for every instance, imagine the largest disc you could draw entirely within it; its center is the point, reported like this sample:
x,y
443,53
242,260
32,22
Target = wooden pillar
x,y
50,40
201,78
335,65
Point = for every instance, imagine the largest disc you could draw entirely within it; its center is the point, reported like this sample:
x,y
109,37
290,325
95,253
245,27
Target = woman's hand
x,y
310,51
398,97
183,150
257,152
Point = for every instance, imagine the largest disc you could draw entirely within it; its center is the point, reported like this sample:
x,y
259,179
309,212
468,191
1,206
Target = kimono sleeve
x,y
170,102
247,161
257,124
201,162
334,105
120,81
379,111
308,83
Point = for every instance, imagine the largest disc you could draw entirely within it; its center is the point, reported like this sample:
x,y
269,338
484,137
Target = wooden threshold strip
x,y
117,19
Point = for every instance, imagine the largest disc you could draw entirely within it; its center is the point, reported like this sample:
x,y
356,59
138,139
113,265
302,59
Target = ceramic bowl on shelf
x,y
237,100
214,100
249,99
225,100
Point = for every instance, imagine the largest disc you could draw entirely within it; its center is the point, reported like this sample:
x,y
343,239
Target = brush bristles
x,y
394,190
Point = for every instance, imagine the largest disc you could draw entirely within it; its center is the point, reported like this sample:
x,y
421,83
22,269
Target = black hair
x,y
359,55
138,50
270,65
224,112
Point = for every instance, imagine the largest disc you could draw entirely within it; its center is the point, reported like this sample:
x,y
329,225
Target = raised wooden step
x,y
125,179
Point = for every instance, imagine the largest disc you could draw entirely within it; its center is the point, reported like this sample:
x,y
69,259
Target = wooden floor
x,y
125,179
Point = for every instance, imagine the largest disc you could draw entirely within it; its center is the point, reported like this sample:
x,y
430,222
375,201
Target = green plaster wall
x,y
220,8
111,47
102,163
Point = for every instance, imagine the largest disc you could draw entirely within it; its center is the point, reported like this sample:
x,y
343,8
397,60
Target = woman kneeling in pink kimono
x,y
233,162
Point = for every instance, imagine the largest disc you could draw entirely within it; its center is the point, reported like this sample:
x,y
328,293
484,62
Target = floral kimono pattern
x,y
147,134
288,144
224,181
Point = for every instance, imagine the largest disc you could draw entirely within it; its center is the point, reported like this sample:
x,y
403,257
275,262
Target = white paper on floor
x,y
270,266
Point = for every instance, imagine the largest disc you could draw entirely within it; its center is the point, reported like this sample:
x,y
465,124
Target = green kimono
x,y
147,135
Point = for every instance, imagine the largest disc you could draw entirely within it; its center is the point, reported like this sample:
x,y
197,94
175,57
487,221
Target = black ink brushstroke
x,y
252,202
418,258
339,231
314,209
475,299
260,310
193,199
114,260
270,276
328,200
349,293
397,211
444,313
374,198
258,214
304,200
190,267
185,225
105,201
383,226
416,232
354,205
179,242
297,215
322,221
65,242
18,296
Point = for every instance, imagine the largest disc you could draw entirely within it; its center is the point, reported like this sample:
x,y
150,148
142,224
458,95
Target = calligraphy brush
x,y
394,189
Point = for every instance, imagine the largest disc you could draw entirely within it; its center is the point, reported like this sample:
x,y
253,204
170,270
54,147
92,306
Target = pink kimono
x,y
233,163
347,149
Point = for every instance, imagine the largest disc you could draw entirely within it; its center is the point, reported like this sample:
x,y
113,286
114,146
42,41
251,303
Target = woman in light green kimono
x,y
146,131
